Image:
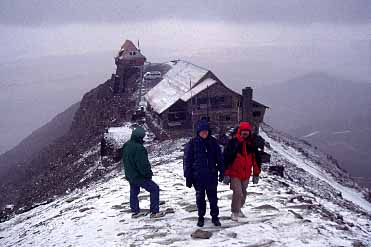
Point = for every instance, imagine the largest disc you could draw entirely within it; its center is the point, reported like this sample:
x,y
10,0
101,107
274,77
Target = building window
x,y
217,100
201,101
256,114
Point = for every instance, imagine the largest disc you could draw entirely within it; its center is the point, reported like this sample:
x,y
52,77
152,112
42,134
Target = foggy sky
x,y
36,12
52,52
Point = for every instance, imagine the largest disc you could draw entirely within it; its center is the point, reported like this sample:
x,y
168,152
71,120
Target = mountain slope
x,y
308,207
40,138
329,112
56,169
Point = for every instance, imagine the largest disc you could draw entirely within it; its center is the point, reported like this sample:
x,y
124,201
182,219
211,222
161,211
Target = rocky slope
x,y
314,204
332,113
39,139
55,169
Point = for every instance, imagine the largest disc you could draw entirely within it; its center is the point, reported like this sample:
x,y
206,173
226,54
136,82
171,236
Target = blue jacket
x,y
203,159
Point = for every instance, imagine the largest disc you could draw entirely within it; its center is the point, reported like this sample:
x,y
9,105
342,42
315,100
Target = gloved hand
x,y
226,180
221,178
189,182
255,179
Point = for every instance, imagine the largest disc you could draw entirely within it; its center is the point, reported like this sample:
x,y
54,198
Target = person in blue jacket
x,y
202,162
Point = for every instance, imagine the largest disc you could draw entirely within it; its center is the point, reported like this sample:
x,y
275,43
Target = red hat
x,y
245,126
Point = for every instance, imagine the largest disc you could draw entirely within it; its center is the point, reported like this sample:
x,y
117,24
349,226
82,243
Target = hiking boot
x,y
157,215
137,215
241,214
216,221
235,217
200,222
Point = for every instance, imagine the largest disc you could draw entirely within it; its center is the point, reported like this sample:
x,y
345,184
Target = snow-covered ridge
x,y
299,160
289,211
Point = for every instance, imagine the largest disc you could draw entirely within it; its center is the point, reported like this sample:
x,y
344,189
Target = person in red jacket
x,y
242,160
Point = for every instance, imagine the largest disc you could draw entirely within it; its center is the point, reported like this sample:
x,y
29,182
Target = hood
x,y
138,134
202,125
243,126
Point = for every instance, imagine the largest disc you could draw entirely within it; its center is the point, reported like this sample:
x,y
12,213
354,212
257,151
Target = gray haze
x,y
36,12
52,52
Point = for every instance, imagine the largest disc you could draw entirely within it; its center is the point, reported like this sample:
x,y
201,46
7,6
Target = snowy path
x,y
99,216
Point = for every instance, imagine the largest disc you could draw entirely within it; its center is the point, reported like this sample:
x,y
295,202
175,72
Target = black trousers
x,y
211,193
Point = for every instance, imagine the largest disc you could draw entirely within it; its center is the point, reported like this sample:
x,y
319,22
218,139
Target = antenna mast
x,y
207,105
190,88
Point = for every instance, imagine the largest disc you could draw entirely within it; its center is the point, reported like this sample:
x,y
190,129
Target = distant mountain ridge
x,y
40,138
332,113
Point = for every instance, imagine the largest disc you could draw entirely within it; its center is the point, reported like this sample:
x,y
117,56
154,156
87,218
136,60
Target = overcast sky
x,y
256,42
49,12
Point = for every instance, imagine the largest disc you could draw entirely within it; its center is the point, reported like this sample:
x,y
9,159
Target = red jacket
x,y
244,163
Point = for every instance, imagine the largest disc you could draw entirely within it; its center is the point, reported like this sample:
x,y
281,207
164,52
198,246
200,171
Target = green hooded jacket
x,y
135,158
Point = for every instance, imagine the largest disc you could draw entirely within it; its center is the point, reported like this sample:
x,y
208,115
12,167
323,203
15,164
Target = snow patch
x,y
311,134
299,160
341,132
175,83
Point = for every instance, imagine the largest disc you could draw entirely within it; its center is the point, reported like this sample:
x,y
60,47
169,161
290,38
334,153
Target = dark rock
x,y
169,211
93,197
358,244
76,218
201,234
276,170
302,206
250,193
118,207
342,228
266,207
190,208
81,210
232,235
290,192
155,235
142,197
297,215
264,244
71,199
350,224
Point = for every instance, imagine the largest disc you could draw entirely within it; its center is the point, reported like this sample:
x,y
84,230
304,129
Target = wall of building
x,y
222,106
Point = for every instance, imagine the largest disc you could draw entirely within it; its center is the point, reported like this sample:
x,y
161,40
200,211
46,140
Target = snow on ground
x,y
342,132
100,215
119,135
311,134
299,160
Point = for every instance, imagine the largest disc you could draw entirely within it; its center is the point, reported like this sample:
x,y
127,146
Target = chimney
x,y
247,104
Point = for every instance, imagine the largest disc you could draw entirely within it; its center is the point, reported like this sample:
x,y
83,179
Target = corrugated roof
x,y
198,89
174,85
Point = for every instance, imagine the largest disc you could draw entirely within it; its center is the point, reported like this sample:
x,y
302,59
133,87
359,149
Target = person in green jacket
x,y
139,174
